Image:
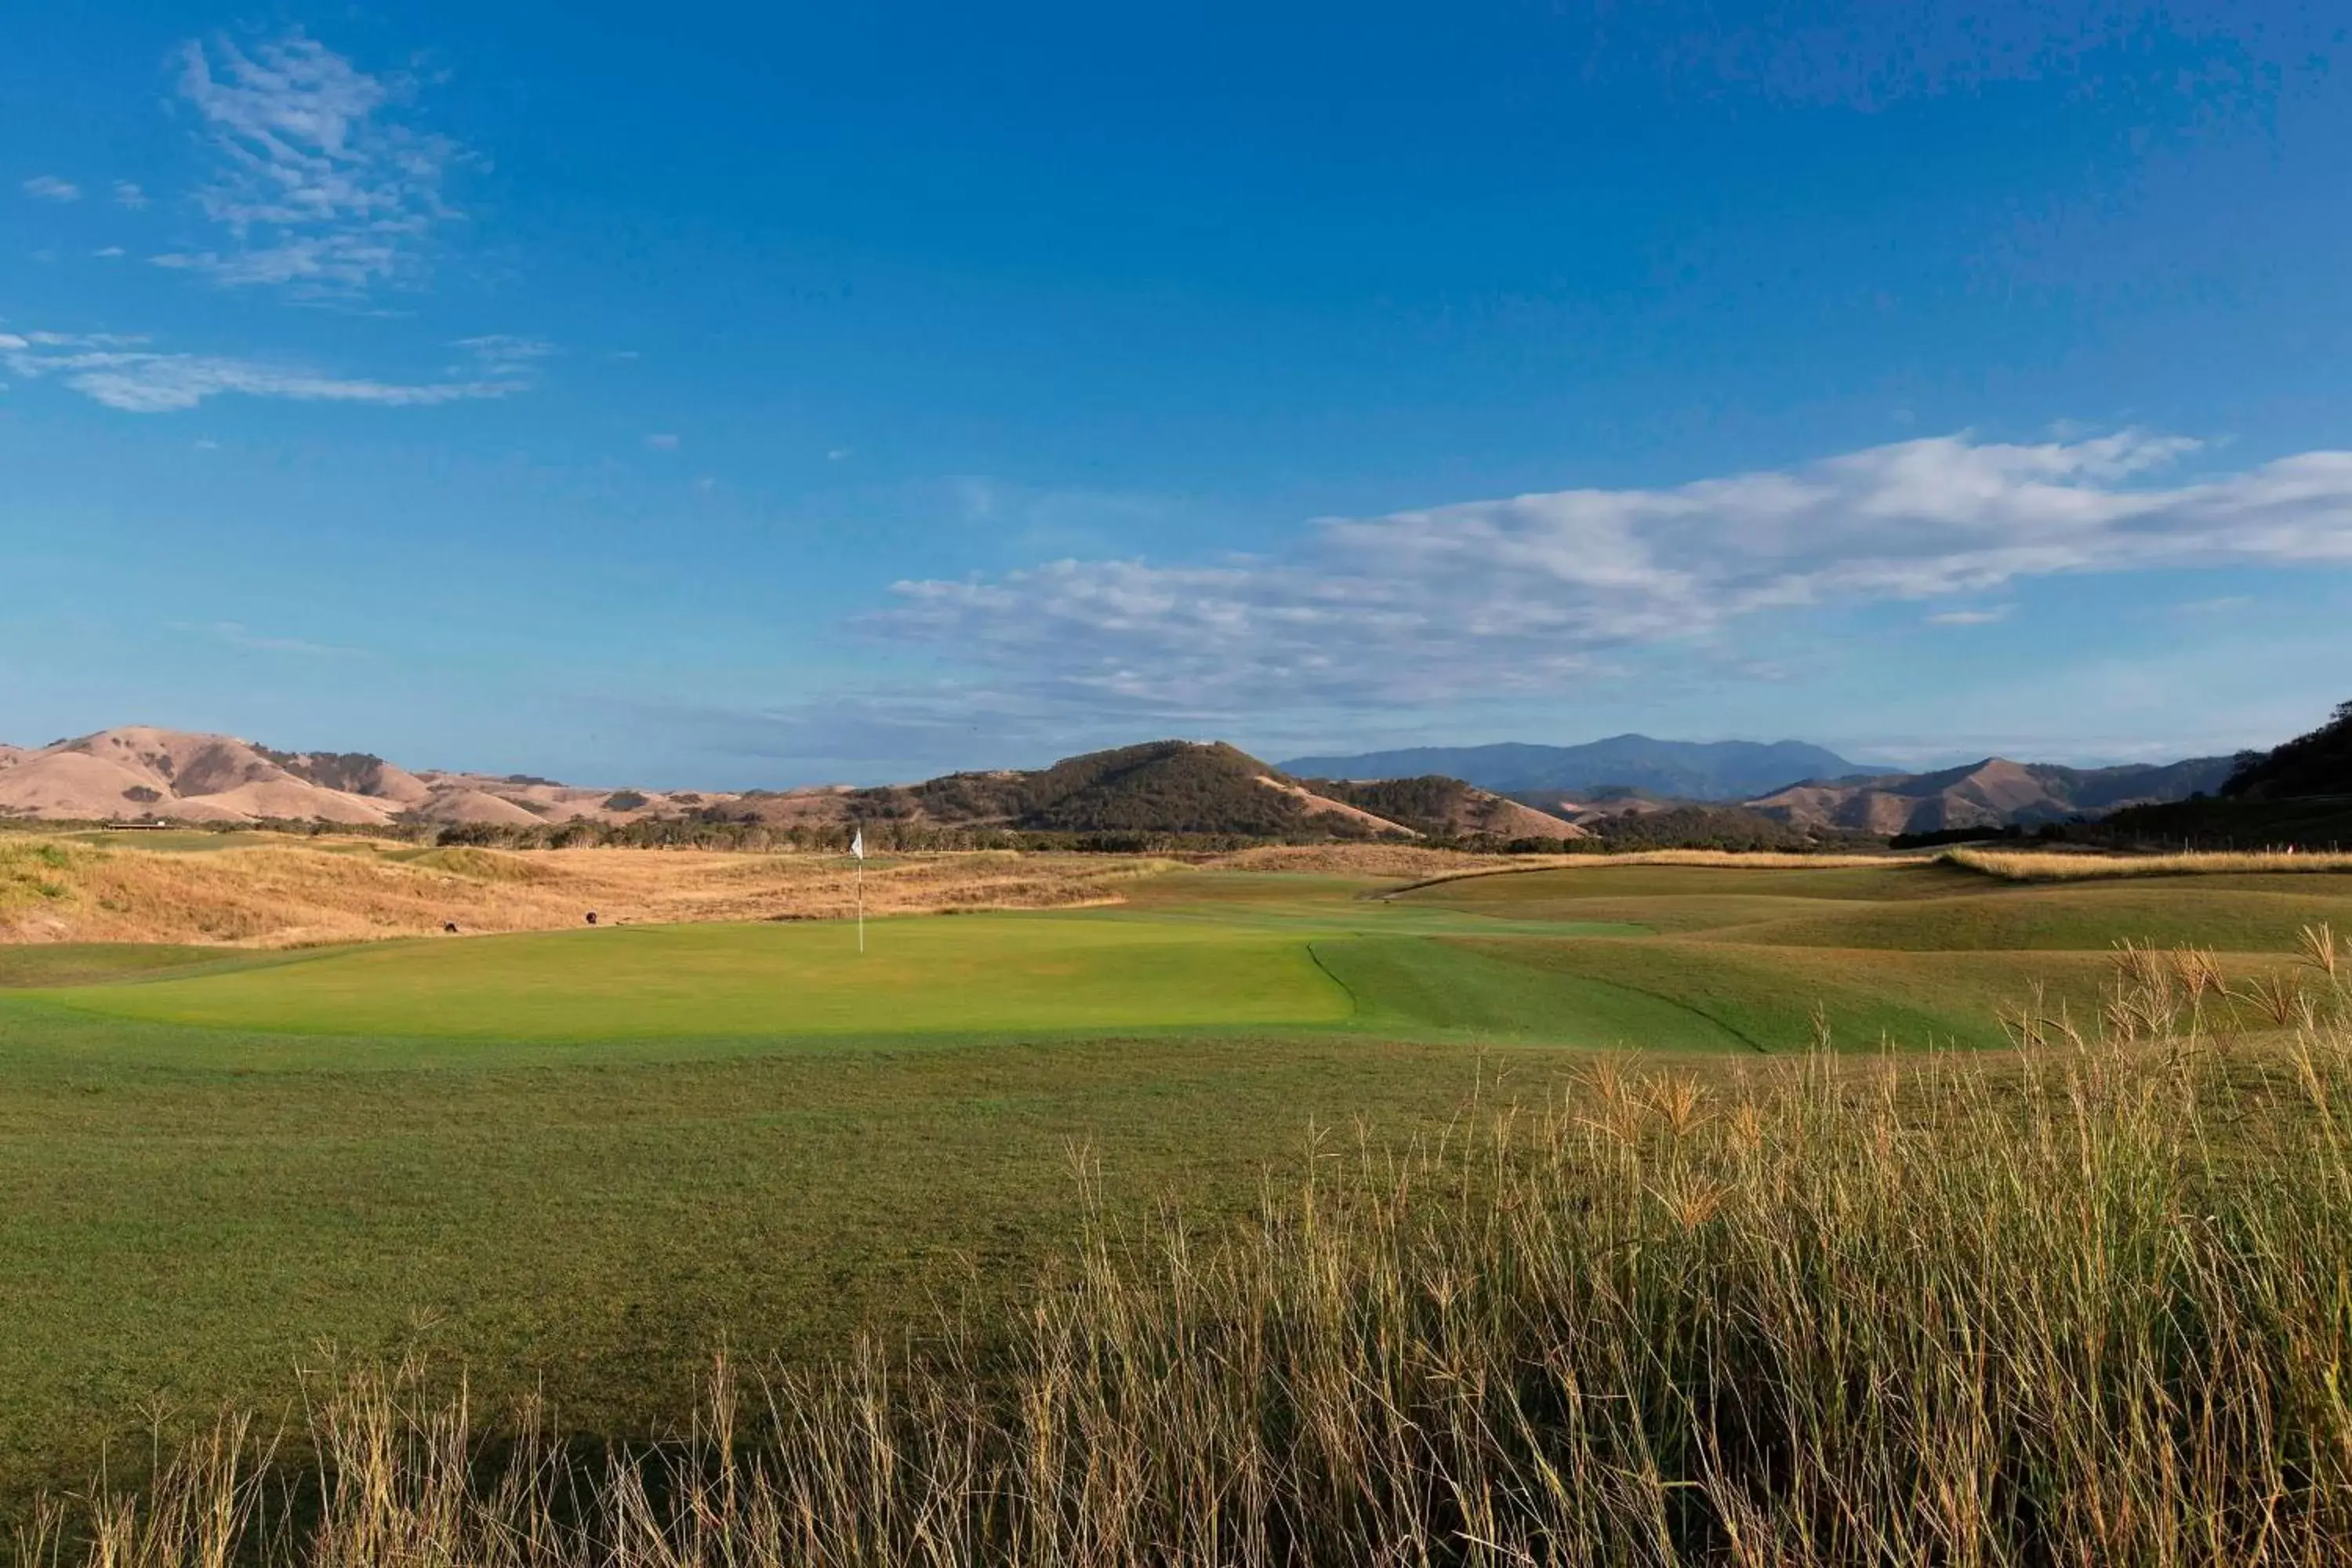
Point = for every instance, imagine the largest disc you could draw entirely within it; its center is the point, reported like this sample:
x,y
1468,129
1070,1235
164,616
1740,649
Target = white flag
x,y
857,844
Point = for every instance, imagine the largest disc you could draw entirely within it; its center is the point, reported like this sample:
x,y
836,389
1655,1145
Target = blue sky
x,y
769,395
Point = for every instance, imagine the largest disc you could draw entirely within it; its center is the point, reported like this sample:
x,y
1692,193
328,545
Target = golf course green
x,y
580,1162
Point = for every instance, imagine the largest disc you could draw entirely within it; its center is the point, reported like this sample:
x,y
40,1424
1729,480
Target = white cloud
x,y
836,455
126,195
49,188
115,371
1521,595
107,253
662,442
1973,617
320,186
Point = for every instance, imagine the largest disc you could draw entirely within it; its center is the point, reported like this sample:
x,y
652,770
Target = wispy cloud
x,y
126,195
236,634
107,253
662,441
2228,604
120,374
502,355
49,188
1521,595
1973,617
320,186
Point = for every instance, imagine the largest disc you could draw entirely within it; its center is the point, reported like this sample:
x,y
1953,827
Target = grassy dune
x,y
291,894
2027,866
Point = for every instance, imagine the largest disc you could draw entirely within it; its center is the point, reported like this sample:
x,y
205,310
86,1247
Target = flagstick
x,y
861,903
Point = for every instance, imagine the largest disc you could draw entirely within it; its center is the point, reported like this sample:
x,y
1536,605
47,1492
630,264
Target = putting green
x,y
941,975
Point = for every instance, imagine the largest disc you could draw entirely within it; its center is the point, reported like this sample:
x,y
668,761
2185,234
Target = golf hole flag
x,y
857,847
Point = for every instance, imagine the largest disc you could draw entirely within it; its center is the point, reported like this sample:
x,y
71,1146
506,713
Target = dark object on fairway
x,y
591,917
449,926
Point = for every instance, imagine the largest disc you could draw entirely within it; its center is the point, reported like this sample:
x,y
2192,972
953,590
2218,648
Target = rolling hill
x,y
2298,793
1995,792
143,774
1436,806
1182,786
2310,767
140,773
1689,770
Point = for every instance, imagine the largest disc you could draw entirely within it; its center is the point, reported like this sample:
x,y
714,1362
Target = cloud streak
x,y
1526,594
49,188
236,634
122,373
320,186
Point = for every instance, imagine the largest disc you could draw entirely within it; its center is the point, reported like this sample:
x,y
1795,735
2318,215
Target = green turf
x,y
82,963
179,1234
941,974
582,1158
2067,916
1517,991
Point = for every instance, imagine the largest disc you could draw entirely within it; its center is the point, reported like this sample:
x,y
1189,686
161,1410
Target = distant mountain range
x,y
141,774
1629,788
1686,770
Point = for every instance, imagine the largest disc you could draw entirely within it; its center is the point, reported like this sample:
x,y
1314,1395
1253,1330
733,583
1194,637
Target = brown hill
x,y
1156,789
1160,788
1995,792
140,773
1436,806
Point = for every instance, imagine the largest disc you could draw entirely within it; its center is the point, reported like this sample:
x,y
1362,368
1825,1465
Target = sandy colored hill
x,y
1431,805
140,773
1171,787
1995,792
1485,813
1316,805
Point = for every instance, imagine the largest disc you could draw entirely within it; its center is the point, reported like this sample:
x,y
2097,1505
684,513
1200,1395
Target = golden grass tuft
x,y
1388,860
1722,859
292,895
2059,866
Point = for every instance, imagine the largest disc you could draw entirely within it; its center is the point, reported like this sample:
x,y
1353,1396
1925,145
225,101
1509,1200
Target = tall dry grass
x,y
2059,866
289,895
2089,1303
1720,859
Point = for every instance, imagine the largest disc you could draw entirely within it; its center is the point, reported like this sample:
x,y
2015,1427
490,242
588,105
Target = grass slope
x,y
2070,916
